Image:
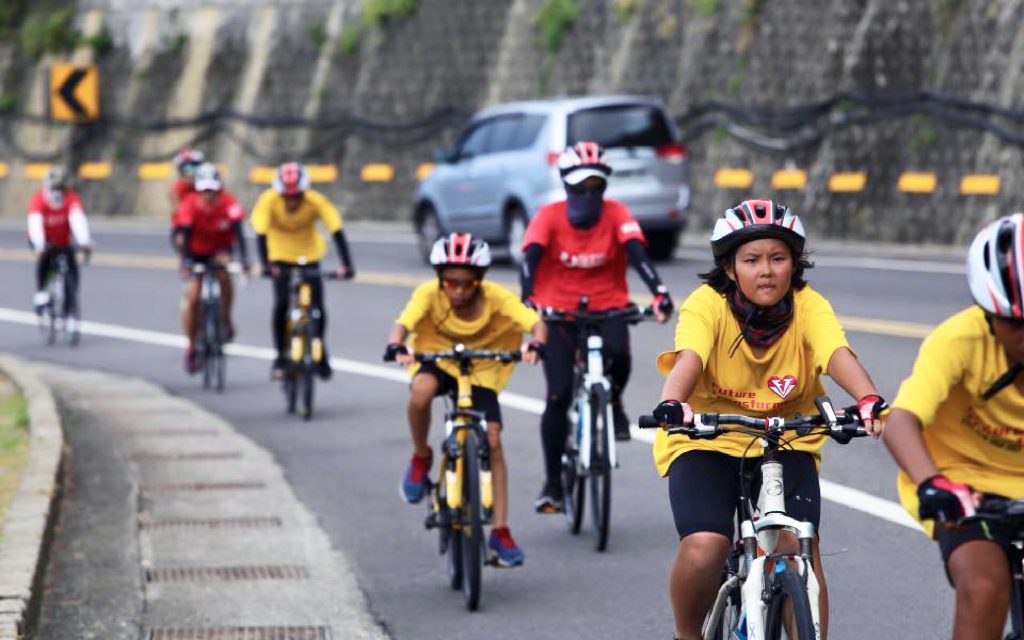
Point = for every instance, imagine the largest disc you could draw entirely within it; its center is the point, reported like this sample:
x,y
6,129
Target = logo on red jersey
x,y
782,386
583,260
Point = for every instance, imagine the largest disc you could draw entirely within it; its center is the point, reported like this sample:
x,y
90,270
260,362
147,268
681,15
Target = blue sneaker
x,y
503,549
415,482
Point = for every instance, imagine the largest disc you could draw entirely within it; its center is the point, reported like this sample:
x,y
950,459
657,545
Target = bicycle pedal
x,y
431,521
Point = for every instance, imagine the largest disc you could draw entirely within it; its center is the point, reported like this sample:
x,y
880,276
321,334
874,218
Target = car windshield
x,y
631,125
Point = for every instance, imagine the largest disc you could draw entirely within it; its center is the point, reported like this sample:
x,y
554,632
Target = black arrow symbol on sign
x,y
67,91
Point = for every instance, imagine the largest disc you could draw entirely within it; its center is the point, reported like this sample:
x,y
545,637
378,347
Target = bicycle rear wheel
x,y
307,391
600,473
789,610
472,522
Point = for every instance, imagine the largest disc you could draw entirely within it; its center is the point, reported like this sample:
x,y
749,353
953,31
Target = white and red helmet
x,y
995,267
460,250
188,159
291,179
755,219
207,178
581,161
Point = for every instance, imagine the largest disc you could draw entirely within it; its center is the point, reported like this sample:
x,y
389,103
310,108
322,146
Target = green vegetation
x,y
377,12
175,43
739,73
48,33
625,9
8,103
10,17
13,442
704,8
752,10
102,42
317,34
351,39
948,9
555,20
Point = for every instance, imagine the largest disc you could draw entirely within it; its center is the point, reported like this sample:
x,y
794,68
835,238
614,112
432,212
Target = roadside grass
x,y
13,442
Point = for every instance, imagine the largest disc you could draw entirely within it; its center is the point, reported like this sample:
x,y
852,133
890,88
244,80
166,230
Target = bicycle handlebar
x,y
998,510
631,314
307,272
841,425
460,353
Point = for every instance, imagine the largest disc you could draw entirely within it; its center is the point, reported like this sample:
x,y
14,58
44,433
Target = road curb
x,y
29,521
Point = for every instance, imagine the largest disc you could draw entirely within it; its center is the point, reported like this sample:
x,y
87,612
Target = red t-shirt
x,y
211,225
56,225
180,190
578,262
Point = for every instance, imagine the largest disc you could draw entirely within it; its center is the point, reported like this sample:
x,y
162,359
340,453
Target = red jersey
x,y
180,190
578,262
56,220
211,225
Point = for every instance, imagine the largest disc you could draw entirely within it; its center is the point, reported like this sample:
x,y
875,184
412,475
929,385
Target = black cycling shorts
x,y
704,489
484,399
950,539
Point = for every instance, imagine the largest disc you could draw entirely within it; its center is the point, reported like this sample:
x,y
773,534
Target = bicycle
x,y
777,593
590,448
61,313
461,506
1008,515
305,348
211,332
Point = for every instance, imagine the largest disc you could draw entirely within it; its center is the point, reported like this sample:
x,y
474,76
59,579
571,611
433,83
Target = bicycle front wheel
x,y
573,488
724,617
789,610
472,522
600,473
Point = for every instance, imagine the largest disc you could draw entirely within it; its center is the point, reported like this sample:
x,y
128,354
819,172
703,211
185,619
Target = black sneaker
x,y
621,424
550,499
323,369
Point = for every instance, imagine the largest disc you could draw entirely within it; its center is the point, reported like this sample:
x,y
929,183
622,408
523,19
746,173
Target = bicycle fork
x,y
454,465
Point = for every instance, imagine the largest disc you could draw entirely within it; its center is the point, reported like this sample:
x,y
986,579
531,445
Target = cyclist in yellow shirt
x,y
957,427
285,220
459,306
754,340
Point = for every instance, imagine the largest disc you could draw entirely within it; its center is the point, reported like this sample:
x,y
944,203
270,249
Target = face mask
x,y
55,198
584,209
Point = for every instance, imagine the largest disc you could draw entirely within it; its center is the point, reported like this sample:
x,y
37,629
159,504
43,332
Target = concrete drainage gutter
x,y
27,527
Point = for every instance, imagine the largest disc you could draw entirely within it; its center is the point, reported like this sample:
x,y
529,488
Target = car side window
x,y
527,131
475,141
505,130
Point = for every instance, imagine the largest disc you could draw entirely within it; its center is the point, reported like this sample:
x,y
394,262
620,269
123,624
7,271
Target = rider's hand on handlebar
x,y
672,413
270,271
397,351
344,272
945,501
663,305
870,408
533,351
86,253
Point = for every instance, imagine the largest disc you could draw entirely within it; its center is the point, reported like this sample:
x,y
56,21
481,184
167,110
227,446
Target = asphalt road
x,y
885,579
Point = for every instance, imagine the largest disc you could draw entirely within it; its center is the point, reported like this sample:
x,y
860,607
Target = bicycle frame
x,y
593,380
457,422
302,313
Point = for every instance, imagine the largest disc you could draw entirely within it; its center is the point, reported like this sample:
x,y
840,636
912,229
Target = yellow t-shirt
x,y
783,382
971,440
291,236
434,327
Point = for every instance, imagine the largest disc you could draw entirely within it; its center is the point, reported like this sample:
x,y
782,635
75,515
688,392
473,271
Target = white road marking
x,y
840,494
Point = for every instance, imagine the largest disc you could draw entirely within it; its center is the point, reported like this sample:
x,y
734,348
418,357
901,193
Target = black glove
x,y
536,347
393,350
663,303
529,304
941,499
669,412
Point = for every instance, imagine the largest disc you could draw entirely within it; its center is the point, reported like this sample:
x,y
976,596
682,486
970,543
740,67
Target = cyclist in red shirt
x,y
55,218
185,162
577,247
211,225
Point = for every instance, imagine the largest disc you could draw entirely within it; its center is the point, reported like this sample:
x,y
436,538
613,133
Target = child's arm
x,y
396,349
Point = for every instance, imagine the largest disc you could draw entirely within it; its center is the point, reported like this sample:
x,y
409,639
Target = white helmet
x,y
581,161
994,267
755,219
207,178
460,250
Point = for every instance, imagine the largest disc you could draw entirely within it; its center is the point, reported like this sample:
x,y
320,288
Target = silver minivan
x,y
503,167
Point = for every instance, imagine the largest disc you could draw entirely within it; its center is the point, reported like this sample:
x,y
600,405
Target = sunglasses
x,y
451,284
594,189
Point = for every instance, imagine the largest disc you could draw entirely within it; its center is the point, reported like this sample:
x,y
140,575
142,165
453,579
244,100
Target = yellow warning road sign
x,y
74,92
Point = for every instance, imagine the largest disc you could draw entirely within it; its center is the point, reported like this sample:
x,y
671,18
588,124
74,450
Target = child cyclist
x,y
460,307
956,427
753,340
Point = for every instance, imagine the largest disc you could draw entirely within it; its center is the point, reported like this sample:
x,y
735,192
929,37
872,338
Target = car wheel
x,y
515,231
428,230
661,245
